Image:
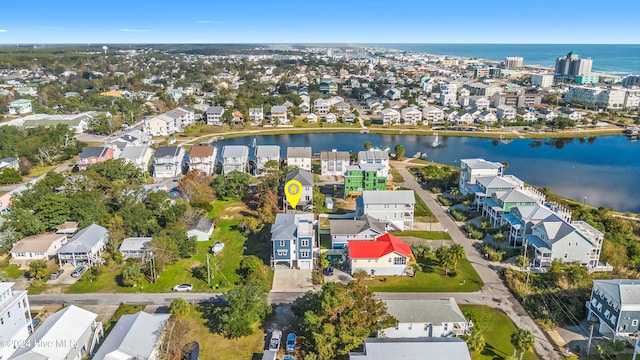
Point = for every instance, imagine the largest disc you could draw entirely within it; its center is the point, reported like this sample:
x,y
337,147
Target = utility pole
x,y
208,272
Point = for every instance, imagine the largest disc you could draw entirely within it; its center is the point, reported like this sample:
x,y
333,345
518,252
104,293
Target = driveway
x,y
64,278
291,281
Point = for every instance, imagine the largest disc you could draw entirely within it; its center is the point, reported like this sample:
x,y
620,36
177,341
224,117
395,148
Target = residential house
x,y
136,247
393,94
293,239
342,107
36,247
571,114
334,162
168,162
306,179
203,158
500,202
358,178
279,115
300,157
479,102
364,228
375,157
486,117
384,256
331,118
464,118
95,154
265,154
238,118
312,118
556,239
20,107
349,118
328,86
322,106
418,318
389,117
214,114
615,305
77,122
411,116
136,336
506,113
139,156
133,137
234,158
486,186
529,116
9,163
432,115
170,122
305,108
71,333
522,218
420,348
471,169
201,229
256,115
85,247
546,114
393,207
14,307
27,91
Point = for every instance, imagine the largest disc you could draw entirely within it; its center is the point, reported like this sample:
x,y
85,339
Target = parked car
x,y
77,272
328,271
288,357
217,248
56,274
183,287
291,342
276,336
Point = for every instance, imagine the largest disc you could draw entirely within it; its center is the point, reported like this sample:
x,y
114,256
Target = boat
x,y
276,337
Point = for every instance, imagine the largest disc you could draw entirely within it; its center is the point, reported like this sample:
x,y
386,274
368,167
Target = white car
x,y
183,287
217,248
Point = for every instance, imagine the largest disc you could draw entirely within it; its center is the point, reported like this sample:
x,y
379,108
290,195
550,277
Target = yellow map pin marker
x,y
293,192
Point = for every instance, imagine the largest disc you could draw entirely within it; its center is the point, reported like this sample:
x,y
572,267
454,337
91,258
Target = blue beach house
x,y
293,240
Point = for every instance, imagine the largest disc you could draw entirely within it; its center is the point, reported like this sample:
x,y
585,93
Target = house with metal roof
x,y
14,307
364,228
306,180
20,107
213,115
386,255
70,333
293,240
169,122
135,247
136,336
9,163
77,122
334,162
36,247
412,349
486,186
501,202
615,305
395,208
300,157
425,318
168,161
139,156
279,115
264,154
201,229
472,169
85,247
234,158
375,157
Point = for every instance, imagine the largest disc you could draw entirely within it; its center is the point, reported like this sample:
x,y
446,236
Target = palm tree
x,y
457,252
522,261
475,340
522,341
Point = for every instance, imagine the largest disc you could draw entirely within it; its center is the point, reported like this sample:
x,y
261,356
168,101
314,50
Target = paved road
x,y
115,299
496,292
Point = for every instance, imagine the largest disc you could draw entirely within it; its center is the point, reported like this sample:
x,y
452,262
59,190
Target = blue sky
x,y
325,21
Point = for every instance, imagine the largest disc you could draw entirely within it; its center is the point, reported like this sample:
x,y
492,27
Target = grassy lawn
x,y
396,175
427,235
419,161
325,241
496,328
40,170
13,271
432,280
421,209
223,266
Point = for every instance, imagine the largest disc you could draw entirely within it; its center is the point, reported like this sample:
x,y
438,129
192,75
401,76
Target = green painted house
x,y
358,178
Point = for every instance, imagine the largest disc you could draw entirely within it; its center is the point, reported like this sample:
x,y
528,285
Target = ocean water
x,y
610,59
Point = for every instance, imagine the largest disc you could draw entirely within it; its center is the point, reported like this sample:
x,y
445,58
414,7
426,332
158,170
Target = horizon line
x,y
305,43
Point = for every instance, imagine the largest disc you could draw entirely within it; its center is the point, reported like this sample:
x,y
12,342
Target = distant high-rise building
x,y
513,62
571,66
542,80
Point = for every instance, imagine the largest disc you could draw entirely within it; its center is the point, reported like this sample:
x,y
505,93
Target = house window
x,y
399,261
281,242
634,323
282,252
304,254
304,242
566,255
607,314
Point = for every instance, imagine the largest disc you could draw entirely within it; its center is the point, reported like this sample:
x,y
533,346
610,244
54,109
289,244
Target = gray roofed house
x,y
136,336
85,246
95,154
334,162
412,349
135,247
393,207
234,158
202,229
9,163
264,154
293,240
214,115
140,156
300,157
168,161
364,228
375,157
615,304
306,179
425,318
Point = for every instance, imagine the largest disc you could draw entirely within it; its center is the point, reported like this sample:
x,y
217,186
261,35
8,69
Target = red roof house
x,y
386,255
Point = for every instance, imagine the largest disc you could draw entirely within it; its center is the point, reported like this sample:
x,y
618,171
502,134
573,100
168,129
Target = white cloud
x,y
3,30
135,30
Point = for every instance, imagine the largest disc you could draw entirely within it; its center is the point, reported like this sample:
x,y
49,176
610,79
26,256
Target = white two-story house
x,y
234,158
266,154
168,162
300,157
203,158
334,162
395,208
16,324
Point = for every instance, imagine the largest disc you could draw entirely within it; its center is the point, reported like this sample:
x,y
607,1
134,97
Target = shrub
x,y
443,200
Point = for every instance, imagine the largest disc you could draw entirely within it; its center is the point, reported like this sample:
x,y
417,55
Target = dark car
x,y
56,274
328,271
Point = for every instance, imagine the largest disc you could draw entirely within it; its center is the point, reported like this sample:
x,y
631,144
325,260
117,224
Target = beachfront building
x,y
471,169
293,240
542,80
334,162
16,324
395,208
601,97
571,66
500,202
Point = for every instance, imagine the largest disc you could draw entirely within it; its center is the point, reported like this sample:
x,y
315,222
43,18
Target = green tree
x,y
458,253
335,320
367,145
523,341
118,170
179,308
131,275
37,268
10,176
522,261
195,187
103,123
475,340
246,304
233,185
446,258
399,150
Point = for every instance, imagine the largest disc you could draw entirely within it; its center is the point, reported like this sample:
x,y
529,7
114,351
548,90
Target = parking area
x,y
65,278
291,280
